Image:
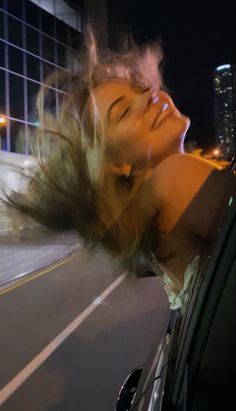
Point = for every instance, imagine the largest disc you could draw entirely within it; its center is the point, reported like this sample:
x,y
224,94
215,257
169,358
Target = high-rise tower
x,y
38,37
225,109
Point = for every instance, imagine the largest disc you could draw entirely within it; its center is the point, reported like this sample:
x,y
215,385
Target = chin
x,y
178,124
186,122
182,125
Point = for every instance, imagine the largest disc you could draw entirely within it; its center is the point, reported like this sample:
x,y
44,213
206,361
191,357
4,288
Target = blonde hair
x,y
73,186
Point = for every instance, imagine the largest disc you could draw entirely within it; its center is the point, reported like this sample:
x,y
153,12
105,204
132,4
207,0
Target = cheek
x,y
127,133
127,144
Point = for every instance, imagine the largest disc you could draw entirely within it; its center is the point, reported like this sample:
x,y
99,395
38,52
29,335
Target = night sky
x,y
196,37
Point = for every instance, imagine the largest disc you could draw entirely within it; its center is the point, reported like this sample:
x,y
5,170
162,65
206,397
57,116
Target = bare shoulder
x,y
180,172
191,189
180,163
173,184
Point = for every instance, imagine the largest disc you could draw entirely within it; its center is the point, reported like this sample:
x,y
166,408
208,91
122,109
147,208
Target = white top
x,y
178,299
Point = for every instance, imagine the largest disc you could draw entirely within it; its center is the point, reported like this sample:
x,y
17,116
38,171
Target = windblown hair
x,y
73,187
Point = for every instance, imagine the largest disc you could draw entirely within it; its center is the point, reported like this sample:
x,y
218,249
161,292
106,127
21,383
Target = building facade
x,y
36,37
225,109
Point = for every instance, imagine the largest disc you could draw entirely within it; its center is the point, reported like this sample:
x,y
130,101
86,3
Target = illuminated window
x,y
41,36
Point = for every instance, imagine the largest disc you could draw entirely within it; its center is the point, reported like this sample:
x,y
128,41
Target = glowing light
x,y
3,121
216,152
224,66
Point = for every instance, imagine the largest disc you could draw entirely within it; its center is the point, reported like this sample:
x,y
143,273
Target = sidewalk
x,y
32,250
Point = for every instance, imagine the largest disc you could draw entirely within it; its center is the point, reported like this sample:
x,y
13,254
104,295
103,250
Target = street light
x,y
3,122
216,152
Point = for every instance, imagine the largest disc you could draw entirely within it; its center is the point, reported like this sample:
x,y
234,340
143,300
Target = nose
x,y
166,99
155,98
145,100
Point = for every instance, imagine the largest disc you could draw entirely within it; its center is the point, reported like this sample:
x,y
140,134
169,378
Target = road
x,y
71,334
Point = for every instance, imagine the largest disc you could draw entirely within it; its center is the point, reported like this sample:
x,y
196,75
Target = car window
x,y
209,297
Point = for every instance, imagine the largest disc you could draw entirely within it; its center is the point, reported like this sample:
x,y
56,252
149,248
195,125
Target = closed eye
x,y
146,89
128,108
124,113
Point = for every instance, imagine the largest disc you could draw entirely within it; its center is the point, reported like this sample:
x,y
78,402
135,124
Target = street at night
x,y
117,149
84,369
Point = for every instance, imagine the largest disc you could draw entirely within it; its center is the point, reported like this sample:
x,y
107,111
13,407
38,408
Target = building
x,y
225,109
37,37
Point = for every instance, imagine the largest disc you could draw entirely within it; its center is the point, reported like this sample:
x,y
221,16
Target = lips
x,y
161,116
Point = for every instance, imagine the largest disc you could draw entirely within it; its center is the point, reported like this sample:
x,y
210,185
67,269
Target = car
x,y
194,367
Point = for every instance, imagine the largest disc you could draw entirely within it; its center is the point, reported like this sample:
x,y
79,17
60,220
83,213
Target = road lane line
x,y
26,372
39,274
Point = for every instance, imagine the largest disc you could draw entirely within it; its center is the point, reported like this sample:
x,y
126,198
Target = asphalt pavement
x,y
72,331
70,336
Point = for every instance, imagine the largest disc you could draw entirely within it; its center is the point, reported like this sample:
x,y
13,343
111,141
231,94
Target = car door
x,y
205,362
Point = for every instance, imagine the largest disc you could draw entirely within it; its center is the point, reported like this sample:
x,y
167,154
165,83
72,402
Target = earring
x,y
123,170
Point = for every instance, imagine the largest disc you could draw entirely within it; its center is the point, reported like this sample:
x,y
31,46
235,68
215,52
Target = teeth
x,y
165,107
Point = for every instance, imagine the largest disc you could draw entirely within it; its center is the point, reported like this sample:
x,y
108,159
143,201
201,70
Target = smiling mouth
x,y
161,117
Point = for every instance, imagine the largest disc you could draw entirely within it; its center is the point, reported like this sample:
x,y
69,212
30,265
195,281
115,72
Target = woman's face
x,y
142,127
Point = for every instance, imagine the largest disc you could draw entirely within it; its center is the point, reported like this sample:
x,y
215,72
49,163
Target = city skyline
x,y
192,51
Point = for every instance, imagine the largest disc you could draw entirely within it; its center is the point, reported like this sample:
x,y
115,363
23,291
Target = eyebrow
x,y
116,101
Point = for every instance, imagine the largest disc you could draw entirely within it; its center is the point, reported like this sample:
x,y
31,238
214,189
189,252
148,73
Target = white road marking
x,y
26,372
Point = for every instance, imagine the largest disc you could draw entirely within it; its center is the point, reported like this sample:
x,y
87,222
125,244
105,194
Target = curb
x,y
11,280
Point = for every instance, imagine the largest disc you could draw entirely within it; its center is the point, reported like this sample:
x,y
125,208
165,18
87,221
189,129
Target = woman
x,y
117,171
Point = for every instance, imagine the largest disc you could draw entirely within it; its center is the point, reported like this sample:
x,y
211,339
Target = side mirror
x,y
128,390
